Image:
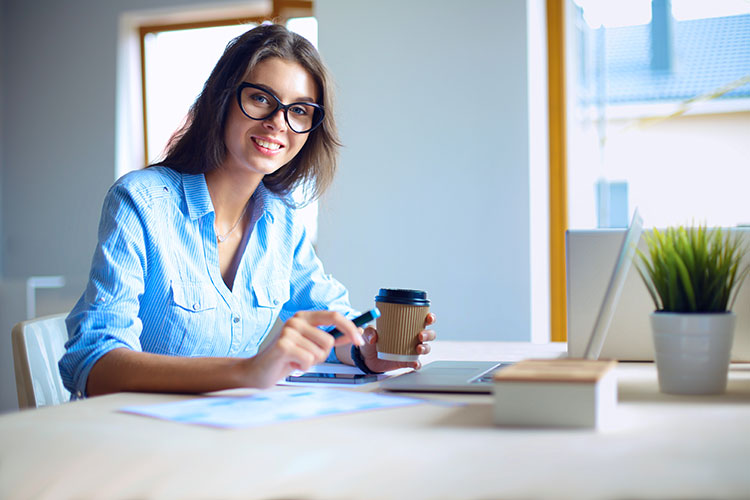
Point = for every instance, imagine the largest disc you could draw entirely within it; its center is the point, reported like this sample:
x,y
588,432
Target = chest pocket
x,y
270,296
273,294
190,321
194,297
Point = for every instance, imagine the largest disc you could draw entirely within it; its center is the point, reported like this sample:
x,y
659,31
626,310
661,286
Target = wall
x,y
2,140
433,189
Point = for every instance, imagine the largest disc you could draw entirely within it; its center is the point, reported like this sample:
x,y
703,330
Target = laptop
x,y
589,254
476,376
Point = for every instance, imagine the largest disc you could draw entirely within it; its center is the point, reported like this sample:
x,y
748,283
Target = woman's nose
x,y
277,120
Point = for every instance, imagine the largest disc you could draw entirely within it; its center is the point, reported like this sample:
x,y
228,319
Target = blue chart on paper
x,y
269,407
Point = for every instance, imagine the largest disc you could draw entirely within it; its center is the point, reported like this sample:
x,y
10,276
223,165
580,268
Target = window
x,y
177,63
658,112
669,138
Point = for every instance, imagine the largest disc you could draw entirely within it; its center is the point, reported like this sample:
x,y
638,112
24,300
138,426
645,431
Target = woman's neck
x,y
230,194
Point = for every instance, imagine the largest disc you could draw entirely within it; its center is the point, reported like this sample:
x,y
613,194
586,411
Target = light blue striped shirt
x,y
156,286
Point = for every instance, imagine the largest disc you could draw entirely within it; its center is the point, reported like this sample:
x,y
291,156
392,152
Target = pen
x,y
360,320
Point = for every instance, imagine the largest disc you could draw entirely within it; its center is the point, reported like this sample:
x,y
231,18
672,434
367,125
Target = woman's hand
x,y
370,351
300,345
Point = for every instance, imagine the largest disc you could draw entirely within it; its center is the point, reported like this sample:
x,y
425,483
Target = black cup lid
x,y
402,296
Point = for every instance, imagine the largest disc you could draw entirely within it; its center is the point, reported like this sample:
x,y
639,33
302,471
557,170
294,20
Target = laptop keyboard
x,y
486,377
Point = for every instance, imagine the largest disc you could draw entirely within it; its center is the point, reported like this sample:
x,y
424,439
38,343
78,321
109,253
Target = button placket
x,y
236,324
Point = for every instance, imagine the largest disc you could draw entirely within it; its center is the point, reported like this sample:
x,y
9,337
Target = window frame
x,y
558,175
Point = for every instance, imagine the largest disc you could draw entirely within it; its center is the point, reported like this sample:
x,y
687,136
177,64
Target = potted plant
x,y
693,276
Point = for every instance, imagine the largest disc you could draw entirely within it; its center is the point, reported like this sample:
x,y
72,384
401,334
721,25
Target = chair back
x,y
38,344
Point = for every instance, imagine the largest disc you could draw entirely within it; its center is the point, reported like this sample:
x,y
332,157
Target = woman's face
x,y
264,146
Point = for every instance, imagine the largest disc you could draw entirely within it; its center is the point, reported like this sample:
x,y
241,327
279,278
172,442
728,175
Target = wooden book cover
x,y
556,370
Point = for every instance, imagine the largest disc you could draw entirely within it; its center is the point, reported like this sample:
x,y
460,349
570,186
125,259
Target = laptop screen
x,y
616,282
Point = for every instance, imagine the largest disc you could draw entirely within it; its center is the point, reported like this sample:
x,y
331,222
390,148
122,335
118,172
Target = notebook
x,y
476,376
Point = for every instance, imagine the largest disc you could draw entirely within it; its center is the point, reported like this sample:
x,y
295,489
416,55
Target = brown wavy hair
x,y
198,146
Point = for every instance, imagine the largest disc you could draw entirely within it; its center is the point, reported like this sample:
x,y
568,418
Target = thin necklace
x,y
222,237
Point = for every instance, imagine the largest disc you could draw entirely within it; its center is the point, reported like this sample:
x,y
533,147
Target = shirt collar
x,y
196,195
199,201
264,201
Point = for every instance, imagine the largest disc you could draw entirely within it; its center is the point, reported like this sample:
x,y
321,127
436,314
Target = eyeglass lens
x,y
259,105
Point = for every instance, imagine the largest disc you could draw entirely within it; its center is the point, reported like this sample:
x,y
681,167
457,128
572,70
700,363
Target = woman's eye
x,y
299,110
260,99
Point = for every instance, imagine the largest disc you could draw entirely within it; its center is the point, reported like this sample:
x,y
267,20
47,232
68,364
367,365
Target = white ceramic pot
x,y
692,351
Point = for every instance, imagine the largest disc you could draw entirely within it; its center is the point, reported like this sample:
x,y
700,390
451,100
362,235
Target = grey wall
x,y
426,197
7,385
2,135
58,133
433,188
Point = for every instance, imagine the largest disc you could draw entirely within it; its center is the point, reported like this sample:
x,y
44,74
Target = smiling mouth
x,y
265,144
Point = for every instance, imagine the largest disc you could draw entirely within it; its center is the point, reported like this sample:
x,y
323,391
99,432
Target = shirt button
x,y
166,189
79,394
236,319
276,302
196,306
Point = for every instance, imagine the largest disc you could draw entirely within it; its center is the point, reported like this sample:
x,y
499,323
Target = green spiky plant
x,y
693,270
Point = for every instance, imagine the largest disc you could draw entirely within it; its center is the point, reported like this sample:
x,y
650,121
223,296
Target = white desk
x,y
660,447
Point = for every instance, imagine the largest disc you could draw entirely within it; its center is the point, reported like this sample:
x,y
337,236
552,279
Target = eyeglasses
x,y
257,103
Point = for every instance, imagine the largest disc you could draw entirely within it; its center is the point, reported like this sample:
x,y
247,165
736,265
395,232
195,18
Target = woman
x,y
199,254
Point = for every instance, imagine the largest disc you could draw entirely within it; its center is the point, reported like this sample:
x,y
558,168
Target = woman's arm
x,y
312,289
106,315
300,345
125,370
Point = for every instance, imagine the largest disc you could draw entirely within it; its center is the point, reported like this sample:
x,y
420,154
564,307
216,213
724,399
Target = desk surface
x,y
660,446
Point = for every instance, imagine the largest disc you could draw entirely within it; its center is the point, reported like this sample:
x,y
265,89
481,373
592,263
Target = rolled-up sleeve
x,y
312,289
106,315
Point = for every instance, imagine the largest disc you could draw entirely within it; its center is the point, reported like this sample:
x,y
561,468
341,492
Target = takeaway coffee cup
x,y
402,317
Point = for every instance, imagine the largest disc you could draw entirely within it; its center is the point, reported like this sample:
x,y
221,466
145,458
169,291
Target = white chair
x,y
38,344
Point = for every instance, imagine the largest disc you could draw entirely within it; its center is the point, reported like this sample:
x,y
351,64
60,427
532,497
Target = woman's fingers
x,y
300,345
427,335
308,334
370,335
430,319
374,363
351,334
298,356
306,344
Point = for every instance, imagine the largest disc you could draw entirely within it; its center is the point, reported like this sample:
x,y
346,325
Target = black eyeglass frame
x,y
318,114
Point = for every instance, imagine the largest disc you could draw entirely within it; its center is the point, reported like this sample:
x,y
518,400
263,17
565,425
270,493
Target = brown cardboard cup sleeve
x,y
402,316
